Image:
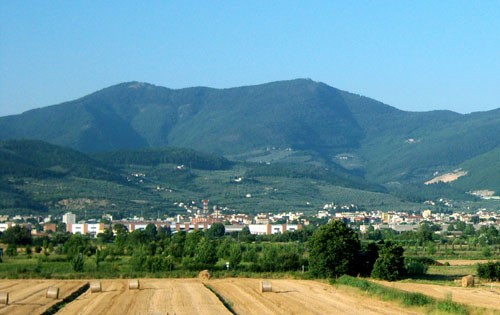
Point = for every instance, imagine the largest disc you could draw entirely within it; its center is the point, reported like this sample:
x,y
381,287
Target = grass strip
x,y
226,303
409,299
70,298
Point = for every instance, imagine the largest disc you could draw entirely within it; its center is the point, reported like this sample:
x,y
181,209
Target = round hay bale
x,y
52,293
95,286
204,275
468,281
4,298
265,286
133,284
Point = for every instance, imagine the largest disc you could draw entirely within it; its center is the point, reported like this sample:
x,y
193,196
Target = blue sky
x,y
413,55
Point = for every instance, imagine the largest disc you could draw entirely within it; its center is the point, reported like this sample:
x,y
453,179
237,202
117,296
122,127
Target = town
x,y
202,218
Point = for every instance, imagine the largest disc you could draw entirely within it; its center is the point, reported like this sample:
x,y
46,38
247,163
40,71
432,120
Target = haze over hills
x,y
297,121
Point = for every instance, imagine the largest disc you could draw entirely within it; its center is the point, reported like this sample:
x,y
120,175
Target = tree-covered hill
x,y
152,157
297,121
37,159
37,176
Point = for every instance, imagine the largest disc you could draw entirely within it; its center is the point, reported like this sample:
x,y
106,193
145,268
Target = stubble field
x,y
241,296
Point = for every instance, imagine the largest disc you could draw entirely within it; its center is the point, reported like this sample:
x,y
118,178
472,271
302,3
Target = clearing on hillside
x,y
447,178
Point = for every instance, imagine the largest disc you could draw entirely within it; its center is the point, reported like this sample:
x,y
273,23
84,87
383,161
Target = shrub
x,y
422,259
416,268
11,250
489,270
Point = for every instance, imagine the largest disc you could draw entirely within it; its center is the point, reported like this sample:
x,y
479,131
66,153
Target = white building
x,y
85,228
69,218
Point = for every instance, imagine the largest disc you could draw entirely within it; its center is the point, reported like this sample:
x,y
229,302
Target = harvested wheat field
x,y
29,296
482,296
155,296
456,262
298,297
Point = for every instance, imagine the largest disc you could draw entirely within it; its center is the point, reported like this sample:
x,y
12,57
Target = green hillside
x,y
39,177
483,173
295,122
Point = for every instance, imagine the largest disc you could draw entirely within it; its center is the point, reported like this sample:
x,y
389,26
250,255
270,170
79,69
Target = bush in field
x,y
390,263
489,270
416,268
11,250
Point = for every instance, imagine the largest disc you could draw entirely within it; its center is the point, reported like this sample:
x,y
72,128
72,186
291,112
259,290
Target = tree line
x,y
328,251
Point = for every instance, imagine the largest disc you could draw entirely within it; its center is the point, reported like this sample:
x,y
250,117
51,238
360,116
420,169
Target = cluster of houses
x,y
260,224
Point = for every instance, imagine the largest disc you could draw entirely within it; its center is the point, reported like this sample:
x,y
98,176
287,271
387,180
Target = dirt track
x,y
29,296
156,296
483,296
298,297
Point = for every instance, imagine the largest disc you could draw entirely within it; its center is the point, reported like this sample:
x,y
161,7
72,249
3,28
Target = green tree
x,y
192,240
151,232
106,236
332,250
164,232
235,255
217,230
390,264
469,230
121,238
17,235
78,262
205,254
424,233
177,245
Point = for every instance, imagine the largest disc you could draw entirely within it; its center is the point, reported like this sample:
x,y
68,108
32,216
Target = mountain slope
x,y
297,121
483,173
37,176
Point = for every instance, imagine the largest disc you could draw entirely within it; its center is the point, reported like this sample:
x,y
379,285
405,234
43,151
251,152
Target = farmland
x,y
230,296
29,296
486,295
190,296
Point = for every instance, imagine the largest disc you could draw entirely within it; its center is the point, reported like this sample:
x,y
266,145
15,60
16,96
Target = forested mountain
x,y
298,121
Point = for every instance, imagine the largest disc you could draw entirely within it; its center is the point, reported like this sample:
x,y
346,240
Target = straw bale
x,y
468,281
133,284
4,298
265,286
52,293
95,286
204,275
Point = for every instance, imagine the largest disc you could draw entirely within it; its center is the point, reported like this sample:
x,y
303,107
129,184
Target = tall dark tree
x,y
17,235
216,230
151,232
332,250
390,263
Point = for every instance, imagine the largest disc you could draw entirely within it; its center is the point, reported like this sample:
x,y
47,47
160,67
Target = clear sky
x,y
413,55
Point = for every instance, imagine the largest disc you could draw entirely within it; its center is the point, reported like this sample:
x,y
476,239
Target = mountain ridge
x,y
297,120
